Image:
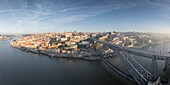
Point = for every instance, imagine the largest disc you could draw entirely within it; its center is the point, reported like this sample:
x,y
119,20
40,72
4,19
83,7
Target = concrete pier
x,y
167,71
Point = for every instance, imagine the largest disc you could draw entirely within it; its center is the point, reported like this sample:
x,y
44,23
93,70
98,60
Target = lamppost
x,y
163,51
160,52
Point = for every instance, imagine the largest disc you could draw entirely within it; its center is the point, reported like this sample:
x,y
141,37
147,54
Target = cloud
x,y
33,15
49,14
13,10
67,9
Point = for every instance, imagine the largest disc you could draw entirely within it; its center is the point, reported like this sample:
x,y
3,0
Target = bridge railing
x,y
146,74
140,74
133,71
147,54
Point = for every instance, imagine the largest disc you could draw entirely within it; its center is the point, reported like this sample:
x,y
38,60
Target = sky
x,y
39,16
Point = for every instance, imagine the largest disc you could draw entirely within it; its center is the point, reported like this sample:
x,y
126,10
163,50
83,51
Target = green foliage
x,y
141,41
61,47
76,44
128,43
65,45
59,41
138,44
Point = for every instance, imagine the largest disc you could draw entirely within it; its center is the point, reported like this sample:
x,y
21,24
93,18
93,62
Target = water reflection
x,y
21,68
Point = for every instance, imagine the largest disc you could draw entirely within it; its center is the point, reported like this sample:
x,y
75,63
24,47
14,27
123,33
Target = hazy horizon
x,y
85,32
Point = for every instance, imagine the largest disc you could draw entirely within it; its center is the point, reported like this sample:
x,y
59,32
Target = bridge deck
x,y
141,53
115,69
139,73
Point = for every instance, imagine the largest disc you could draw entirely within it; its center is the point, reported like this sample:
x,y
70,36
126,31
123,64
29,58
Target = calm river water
x,y
20,68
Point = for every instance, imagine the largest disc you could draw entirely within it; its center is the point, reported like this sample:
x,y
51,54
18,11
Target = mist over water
x,y
164,48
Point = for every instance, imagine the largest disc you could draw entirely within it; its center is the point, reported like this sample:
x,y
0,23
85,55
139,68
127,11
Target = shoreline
x,y
69,56
5,39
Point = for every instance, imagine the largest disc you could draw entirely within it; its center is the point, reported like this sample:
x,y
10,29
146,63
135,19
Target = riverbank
x,y
5,39
70,56
20,68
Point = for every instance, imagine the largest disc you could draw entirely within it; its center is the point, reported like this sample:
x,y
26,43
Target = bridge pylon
x,y
154,68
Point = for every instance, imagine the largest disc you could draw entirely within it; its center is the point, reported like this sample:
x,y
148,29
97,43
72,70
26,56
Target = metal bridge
x,y
145,54
137,71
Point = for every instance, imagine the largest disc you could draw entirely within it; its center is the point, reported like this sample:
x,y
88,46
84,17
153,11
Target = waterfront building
x,y
68,34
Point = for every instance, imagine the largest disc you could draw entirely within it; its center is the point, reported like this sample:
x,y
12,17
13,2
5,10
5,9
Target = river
x,y
21,68
163,48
